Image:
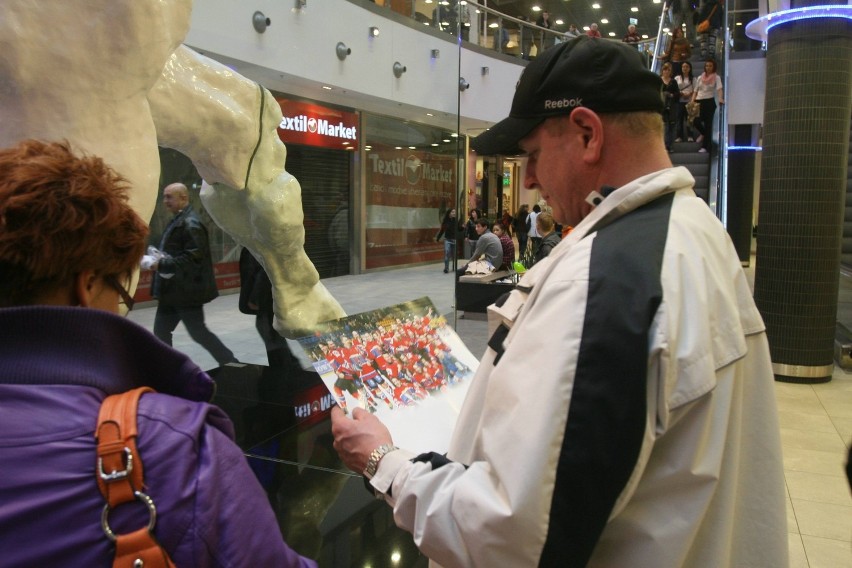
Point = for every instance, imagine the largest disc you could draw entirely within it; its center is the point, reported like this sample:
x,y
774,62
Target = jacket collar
x,y
83,346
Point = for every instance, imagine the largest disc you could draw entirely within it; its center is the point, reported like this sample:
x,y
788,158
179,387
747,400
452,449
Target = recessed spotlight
x,y
411,147
494,25
399,147
634,9
604,21
326,87
536,8
559,22
429,114
454,135
596,6
611,34
434,144
446,140
644,36
586,28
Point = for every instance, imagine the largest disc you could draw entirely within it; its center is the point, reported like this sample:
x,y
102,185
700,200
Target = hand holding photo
x,y
402,363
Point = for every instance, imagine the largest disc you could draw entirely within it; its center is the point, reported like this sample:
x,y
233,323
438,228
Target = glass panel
x,y
410,181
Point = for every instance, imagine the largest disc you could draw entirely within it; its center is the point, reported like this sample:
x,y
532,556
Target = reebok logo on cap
x,y
563,103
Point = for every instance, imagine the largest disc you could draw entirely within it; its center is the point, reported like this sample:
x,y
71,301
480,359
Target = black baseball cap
x,y
599,74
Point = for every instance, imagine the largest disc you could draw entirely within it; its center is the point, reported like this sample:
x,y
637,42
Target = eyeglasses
x,y
126,298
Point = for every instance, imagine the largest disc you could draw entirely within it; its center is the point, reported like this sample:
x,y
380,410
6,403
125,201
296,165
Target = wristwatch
x,y
375,457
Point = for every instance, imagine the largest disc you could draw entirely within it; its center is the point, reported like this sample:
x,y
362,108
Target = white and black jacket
x,y
624,412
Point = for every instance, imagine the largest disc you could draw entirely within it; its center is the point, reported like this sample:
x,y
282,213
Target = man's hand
x,y
356,438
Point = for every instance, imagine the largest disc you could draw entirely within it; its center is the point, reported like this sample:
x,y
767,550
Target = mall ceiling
x,y
612,16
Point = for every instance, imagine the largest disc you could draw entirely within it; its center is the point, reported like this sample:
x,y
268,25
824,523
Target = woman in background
x,y
549,237
450,230
686,84
508,246
470,234
708,87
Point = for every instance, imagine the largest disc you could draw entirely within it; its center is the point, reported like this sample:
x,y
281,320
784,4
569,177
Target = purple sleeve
x,y
211,509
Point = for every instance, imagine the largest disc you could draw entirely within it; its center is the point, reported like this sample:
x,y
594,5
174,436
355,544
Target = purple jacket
x,y
56,366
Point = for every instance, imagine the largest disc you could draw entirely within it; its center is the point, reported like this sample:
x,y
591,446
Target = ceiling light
x,y
454,135
559,22
586,28
634,9
604,21
326,87
596,6
644,36
536,8
611,34
412,147
494,25
435,144
429,114
446,140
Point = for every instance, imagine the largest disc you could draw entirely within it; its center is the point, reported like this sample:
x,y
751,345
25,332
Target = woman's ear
x,y
84,288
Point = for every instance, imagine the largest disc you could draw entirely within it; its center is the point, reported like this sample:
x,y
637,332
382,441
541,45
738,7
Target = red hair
x,y
59,215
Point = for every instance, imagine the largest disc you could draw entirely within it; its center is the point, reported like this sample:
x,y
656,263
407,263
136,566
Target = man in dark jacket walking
x,y
184,279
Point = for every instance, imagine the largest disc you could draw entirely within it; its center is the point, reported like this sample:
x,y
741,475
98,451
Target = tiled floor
x,y
816,420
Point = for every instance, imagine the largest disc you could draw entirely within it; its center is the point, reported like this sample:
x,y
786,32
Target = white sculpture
x,y
112,78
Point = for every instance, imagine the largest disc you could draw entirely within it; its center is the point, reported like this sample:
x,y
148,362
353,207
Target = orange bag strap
x,y
120,478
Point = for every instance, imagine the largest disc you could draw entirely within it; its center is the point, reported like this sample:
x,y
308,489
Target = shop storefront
x,y
411,175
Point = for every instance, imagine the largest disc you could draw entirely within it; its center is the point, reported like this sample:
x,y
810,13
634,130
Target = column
x,y
803,180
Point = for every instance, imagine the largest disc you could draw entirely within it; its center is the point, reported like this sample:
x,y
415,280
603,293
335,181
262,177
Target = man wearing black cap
x,y
648,434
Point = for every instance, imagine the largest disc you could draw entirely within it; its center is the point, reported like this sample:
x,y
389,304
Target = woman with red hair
x,y
69,245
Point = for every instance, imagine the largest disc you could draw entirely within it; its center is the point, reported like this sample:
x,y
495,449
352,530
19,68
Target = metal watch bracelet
x,y
376,456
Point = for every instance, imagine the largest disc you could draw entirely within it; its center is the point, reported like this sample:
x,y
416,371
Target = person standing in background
x,y
256,299
671,96
450,230
184,279
470,234
532,229
546,39
550,237
593,31
708,86
632,35
521,229
686,84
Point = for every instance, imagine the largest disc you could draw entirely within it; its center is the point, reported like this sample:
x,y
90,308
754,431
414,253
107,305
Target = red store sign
x,y
315,125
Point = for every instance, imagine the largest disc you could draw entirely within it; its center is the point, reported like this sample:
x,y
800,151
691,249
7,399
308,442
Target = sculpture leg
x,y
227,125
